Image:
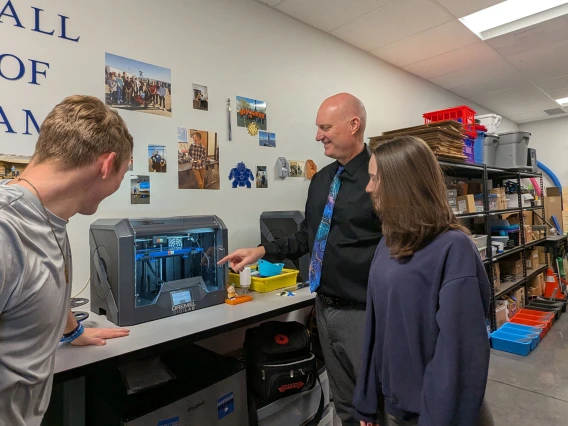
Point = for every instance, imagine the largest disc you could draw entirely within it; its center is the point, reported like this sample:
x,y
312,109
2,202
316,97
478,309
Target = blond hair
x,y
80,129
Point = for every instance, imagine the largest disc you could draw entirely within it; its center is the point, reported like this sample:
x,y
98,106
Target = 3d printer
x,y
146,269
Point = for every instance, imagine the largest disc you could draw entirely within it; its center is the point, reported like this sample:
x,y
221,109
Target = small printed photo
x,y
140,190
267,139
251,110
198,160
137,86
131,164
182,135
12,165
297,169
200,97
261,178
157,159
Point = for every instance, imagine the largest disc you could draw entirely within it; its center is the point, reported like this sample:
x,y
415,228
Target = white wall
x,y
235,47
550,139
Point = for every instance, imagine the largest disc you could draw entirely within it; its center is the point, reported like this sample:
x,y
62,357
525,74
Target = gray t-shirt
x,y
34,303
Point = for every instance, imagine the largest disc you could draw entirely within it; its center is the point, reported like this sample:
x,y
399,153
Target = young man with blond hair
x,y
81,156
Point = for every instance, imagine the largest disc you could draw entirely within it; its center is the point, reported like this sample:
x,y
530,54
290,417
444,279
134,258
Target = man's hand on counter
x,y
98,336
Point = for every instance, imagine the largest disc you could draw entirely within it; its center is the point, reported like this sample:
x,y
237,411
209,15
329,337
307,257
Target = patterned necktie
x,y
323,231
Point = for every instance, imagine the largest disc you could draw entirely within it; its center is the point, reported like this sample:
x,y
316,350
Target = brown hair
x,y
411,196
80,129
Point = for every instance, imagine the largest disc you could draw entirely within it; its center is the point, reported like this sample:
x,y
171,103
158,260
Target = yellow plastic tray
x,y
287,278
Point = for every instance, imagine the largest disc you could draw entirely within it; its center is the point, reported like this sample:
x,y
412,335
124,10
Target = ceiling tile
x,y
553,84
432,42
392,22
544,63
506,81
453,61
525,117
530,38
476,72
461,8
510,108
270,2
558,94
329,14
524,94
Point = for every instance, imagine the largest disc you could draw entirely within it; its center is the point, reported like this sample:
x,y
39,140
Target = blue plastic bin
x,y
267,269
479,146
513,343
523,333
468,150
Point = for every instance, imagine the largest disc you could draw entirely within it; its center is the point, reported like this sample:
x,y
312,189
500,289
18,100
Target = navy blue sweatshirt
x,y
426,348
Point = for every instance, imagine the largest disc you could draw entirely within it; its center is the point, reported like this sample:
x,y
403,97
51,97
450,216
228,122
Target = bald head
x,y
346,106
341,122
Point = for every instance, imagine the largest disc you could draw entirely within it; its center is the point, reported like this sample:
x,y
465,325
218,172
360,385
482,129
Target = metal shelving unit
x,y
482,174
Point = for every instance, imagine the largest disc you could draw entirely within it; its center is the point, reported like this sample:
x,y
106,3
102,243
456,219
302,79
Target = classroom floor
x,y
531,390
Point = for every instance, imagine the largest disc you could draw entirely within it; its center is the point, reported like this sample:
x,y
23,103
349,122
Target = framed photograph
x,y
267,139
251,110
198,160
137,86
200,97
261,178
157,159
12,165
140,190
297,169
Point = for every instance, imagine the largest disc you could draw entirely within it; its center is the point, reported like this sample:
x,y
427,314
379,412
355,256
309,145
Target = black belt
x,y
339,302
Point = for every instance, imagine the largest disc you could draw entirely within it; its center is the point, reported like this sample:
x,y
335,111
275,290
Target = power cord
x,y
83,289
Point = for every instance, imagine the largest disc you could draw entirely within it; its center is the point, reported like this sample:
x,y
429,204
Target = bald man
x,y
341,231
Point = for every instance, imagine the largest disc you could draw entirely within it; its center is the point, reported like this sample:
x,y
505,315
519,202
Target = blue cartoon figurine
x,y
242,175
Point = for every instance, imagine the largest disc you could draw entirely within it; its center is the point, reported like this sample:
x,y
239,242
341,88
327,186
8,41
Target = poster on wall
x,y
200,97
140,190
267,139
157,159
12,165
261,178
251,114
198,159
137,86
296,169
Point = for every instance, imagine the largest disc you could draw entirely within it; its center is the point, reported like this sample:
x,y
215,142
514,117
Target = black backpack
x,y
280,362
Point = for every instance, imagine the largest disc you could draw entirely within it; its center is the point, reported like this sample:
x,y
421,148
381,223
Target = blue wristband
x,y
69,337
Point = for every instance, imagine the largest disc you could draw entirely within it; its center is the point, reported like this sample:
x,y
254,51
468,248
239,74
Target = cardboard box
x,y
529,235
553,191
565,198
511,267
501,202
466,203
496,277
498,191
553,207
532,259
501,315
519,297
565,216
541,255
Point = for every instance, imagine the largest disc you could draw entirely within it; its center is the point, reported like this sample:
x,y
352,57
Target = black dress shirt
x,y
353,237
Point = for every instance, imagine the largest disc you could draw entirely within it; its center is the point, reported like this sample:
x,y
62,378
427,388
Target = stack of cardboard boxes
x,y
501,203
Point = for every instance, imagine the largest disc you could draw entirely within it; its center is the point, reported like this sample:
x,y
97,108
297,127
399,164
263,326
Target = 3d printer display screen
x,y
179,297
175,263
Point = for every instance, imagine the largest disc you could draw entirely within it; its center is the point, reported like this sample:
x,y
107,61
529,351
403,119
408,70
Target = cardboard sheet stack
x,y
444,138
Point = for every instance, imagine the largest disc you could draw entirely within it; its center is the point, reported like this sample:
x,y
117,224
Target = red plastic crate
x,y
464,114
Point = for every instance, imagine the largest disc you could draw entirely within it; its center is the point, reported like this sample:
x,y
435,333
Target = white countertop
x,y
153,333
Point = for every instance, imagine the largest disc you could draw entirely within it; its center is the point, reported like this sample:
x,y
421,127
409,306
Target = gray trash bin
x,y
489,150
512,150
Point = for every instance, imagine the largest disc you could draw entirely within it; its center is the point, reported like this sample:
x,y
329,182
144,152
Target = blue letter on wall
x,y
20,72
64,29
13,15
35,71
30,116
5,122
37,19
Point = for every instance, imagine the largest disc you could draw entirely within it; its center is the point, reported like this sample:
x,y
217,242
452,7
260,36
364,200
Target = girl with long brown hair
x,y
426,350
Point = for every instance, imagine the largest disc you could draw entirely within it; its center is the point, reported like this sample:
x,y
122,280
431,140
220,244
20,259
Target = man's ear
x,y
355,124
107,166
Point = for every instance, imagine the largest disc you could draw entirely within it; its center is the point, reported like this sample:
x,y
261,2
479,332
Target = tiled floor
x,y
531,390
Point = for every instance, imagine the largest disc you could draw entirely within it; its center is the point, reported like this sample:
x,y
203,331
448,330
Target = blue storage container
x,y
535,336
267,269
478,147
468,150
513,343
